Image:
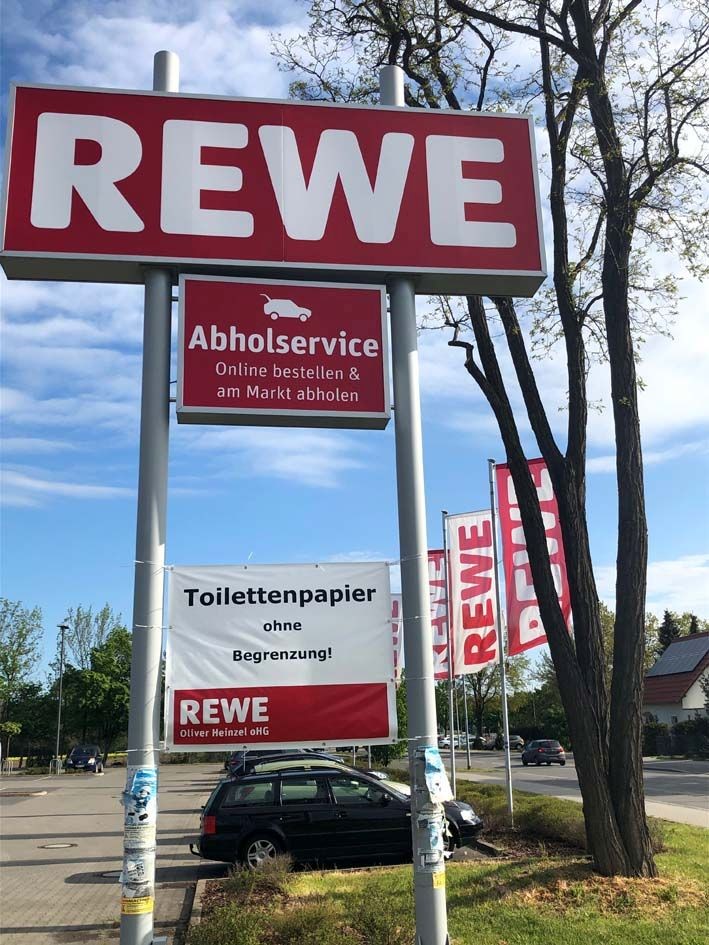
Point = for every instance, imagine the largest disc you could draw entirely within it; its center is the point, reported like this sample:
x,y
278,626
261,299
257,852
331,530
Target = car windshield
x,y
550,744
397,787
84,750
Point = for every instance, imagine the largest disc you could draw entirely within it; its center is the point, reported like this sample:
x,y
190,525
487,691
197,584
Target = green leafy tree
x,y
623,94
34,706
97,698
7,731
20,636
383,754
669,632
88,630
690,623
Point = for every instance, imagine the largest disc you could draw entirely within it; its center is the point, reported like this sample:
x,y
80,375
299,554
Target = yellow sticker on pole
x,y
439,880
138,906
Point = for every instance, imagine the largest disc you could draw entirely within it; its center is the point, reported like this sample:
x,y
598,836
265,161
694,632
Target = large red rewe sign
x,y
284,353
100,181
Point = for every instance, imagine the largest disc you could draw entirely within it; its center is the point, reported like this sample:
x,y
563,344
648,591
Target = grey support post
x,y
429,876
140,796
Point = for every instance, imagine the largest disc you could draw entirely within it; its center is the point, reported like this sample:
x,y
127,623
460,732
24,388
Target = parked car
x,y
337,815
516,743
85,758
300,761
544,751
488,740
240,763
444,741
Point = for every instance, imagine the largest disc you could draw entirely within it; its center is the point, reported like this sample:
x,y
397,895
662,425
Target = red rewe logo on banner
x,y
129,177
524,623
472,591
286,353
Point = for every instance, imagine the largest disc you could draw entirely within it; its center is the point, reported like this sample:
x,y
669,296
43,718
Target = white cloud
x,y
606,464
21,489
224,47
310,457
679,585
29,444
674,401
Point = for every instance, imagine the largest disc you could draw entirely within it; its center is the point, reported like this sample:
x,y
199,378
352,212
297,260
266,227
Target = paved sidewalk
x,y
70,894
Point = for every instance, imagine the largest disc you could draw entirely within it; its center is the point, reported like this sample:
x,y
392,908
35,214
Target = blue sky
x,y
71,384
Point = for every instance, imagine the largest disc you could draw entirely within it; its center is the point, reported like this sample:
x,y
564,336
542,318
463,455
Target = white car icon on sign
x,y
284,308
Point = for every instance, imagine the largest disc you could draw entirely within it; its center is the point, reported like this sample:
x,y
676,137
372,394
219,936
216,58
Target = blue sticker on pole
x,y
439,788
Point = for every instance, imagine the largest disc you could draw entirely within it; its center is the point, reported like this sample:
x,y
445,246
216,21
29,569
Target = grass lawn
x,y
549,898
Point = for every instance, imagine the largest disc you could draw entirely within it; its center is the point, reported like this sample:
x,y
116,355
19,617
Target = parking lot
x,y
61,854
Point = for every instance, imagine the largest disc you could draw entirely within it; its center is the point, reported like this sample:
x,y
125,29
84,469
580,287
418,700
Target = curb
x,y
487,848
196,913
23,793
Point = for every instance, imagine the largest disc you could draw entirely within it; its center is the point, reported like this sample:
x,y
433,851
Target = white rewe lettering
x,y
305,208
449,192
57,175
188,712
220,711
184,177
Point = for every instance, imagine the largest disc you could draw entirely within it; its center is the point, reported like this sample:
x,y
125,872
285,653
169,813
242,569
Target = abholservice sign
x,y
101,181
282,353
279,656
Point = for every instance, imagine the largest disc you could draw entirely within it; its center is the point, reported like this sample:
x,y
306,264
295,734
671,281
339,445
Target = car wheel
x,y
525,763
303,318
548,763
562,763
274,316
537,762
450,837
258,849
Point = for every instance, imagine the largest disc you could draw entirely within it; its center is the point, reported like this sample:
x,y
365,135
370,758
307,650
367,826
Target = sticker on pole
x,y
279,655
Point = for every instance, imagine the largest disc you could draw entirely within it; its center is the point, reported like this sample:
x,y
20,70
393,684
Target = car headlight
x,y
90,761
469,815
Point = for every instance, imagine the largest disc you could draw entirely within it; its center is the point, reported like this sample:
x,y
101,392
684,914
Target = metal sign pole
x,y
138,876
501,652
429,867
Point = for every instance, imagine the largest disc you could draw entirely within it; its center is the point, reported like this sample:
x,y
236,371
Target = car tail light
x,y
209,824
541,749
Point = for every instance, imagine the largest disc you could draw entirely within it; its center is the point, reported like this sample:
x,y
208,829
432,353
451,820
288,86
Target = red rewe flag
x,y
524,623
439,612
472,591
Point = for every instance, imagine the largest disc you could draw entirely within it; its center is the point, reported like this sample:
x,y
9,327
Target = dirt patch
x,y
578,886
512,844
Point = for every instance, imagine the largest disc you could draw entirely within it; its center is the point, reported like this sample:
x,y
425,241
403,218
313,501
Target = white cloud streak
x,y
679,585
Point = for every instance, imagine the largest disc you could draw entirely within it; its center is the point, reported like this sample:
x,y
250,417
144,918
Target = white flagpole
x,y
444,514
467,721
501,651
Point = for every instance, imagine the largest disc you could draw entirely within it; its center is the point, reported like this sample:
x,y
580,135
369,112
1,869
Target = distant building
x,y
673,687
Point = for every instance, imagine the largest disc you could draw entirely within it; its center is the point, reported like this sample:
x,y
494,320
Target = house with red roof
x,y
673,687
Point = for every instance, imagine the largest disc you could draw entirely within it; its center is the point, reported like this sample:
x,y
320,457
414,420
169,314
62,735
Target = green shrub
x,y
382,922
316,922
651,732
229,925
272,878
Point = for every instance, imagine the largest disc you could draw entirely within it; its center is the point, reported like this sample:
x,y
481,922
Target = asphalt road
x,y
674,789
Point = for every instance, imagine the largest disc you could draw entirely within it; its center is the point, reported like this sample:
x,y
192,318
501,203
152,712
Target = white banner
x,y
471,582
279,655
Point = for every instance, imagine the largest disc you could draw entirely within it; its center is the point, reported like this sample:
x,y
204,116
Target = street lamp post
x,y
63,627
